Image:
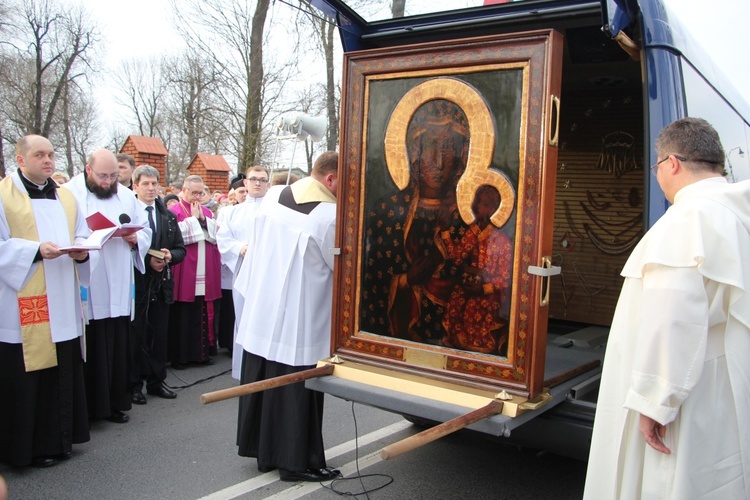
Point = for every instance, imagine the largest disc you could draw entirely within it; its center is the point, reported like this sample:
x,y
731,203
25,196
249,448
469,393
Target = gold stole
x,y
39,351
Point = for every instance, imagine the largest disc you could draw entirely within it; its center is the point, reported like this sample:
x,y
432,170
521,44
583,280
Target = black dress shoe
x,y
65,455
138,398
310,475
44,462
161,392
208,361
118,417
178,366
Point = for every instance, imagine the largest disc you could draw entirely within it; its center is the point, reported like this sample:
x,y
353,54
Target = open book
x,y
100,221
95,241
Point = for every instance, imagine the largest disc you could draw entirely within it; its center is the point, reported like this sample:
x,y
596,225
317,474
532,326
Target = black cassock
x,y
268,430
43,412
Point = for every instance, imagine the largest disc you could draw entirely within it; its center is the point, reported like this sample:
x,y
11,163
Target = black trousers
x,y
149,336
226,317
106,367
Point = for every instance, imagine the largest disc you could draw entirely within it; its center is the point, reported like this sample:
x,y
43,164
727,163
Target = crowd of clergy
x,y
88,321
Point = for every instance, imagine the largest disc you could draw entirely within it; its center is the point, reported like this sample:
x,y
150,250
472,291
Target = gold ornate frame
x,y
374,160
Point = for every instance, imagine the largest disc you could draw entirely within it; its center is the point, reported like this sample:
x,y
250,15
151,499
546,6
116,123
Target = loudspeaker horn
x,y
303,126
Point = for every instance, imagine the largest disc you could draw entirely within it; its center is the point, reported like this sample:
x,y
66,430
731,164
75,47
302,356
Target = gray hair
x,y
191,179
146,170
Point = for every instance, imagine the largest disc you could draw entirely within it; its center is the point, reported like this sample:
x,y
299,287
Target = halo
x,y
481,144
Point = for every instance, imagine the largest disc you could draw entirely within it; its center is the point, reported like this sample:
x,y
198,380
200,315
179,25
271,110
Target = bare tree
x,y
78,128
46,47
240,62
325,30
142,91
60,40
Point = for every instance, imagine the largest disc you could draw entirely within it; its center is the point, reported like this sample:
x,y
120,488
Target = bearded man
x,y
111,291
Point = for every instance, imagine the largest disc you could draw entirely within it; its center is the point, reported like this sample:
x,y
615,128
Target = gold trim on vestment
x,y
39,351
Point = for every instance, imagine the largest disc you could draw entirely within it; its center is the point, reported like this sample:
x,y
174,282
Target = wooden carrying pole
x,y
262,385
429,435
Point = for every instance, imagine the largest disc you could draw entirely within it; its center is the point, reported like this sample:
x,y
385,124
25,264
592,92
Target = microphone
x,y
124,218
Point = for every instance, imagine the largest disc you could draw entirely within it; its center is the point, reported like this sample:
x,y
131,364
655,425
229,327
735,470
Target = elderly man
x,y
236,225
125,166
154,291
673,405
111,290
286,282
197,279
41,368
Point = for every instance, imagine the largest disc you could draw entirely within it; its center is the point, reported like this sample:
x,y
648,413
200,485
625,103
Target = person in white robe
x,y
44,405
111,292
675,389
225,320
235,235
286,282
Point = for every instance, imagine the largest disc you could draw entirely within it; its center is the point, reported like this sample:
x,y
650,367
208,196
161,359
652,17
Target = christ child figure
x,y
472,320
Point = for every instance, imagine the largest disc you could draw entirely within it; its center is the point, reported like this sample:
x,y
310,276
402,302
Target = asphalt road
x,y
180,449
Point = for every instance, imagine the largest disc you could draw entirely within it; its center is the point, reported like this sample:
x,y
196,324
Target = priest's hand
x,y
243,250
79,255
49,250
653,432
131,238
196,210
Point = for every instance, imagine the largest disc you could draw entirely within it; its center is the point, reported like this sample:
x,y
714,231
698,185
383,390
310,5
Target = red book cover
x,y
100,221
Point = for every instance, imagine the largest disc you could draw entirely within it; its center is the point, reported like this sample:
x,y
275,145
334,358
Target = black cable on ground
x,y
332,487
196,382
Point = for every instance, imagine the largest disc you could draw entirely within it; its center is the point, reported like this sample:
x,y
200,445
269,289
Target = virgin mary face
x,y
440,157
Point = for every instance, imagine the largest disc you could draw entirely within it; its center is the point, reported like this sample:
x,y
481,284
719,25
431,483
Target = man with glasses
x,y
110,293
236,229
197,280
673,405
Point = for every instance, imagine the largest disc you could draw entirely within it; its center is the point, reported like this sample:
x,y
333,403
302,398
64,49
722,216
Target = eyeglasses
x,y
655,167
104,177
258,180
197,193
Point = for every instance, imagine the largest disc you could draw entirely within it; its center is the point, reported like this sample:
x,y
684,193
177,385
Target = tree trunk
x,y
2,155
333,118
397,8
254,115
66,130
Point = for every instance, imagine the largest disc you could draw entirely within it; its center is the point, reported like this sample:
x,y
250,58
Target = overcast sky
x,y
143,28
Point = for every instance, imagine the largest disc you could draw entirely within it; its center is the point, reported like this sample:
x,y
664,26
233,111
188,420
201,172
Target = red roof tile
x,y
147,144
212,162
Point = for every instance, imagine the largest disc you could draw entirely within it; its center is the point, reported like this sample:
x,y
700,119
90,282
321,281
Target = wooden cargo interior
x,y
599,203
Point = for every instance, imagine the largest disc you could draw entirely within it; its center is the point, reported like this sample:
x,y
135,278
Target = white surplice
x,y
679,352
286,315
112,285
236,229
17,266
